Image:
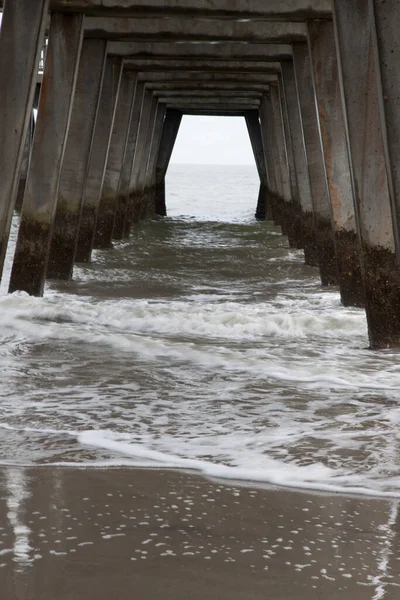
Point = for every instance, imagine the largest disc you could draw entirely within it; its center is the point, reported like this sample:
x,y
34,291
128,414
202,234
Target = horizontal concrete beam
x,y
167,29
219,50
214,113
214,87
240,101
204,78
275,9
212,66
204,95
211,108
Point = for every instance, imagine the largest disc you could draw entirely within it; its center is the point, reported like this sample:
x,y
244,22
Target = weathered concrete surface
x,y
115,161
170,130
225,50
316,168
296,223
121,225
186,105
337,167
76,159
295,9
149,196
188,77
201,51
155,144
370,186
255,135
270,136
214,65
140,181
385,40
32,249
135,196
289,206
239,87
267,138
21,40
98,159
195,30
26,158
296,136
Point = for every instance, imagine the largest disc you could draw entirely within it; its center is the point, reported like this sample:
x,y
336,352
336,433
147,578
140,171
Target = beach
x,y
75,534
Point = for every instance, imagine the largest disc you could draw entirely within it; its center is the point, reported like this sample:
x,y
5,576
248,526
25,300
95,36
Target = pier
x,y
315,80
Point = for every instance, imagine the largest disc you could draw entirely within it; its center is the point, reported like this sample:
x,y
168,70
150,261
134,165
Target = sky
x,y
213,140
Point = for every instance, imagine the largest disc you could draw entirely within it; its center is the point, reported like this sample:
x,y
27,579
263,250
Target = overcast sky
x,y
213,140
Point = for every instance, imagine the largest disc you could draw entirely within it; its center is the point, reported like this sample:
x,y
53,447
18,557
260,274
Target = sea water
x,y
203,342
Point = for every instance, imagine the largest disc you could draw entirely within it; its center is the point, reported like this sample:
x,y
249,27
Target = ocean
x,y
201,343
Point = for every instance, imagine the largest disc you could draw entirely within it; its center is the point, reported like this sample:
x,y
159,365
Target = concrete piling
x,y
98,158
324,237
59,80
21,40
255,135
134,192
115,161
358,71
169,133
337,168
295,133
76,159
151,165
122,223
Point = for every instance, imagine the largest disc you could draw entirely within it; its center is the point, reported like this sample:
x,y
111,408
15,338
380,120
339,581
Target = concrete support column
x,y
287,204
135,194
145,155
279,209
26,158
21,41
333,138
116,156
295,133
319,190
254,129
98,158
294,194
271,210
122,223
76,159
151,166
169,134
59,80
357,61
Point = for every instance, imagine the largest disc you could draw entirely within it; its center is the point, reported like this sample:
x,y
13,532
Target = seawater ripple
x,y
202,345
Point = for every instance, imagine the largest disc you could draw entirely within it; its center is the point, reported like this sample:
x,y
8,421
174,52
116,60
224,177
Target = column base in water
x,y
382,278
31,256
87,228
105,221
120,218
160,204
326,251
309,241
63,242
351,283
261,210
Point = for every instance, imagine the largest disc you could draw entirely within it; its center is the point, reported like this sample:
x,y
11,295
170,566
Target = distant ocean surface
x,y
201,343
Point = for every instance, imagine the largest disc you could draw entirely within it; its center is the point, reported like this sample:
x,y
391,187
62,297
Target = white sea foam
x,y
207,347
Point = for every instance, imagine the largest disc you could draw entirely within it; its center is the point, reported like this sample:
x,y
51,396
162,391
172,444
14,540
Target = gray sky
x,y
213,140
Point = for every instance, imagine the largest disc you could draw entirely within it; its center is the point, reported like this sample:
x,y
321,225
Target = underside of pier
x,y
315,80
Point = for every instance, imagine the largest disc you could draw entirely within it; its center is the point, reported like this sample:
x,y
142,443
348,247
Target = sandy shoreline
x,y
122,533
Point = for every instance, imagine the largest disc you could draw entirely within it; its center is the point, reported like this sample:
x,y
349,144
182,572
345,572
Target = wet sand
x,y
71,534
